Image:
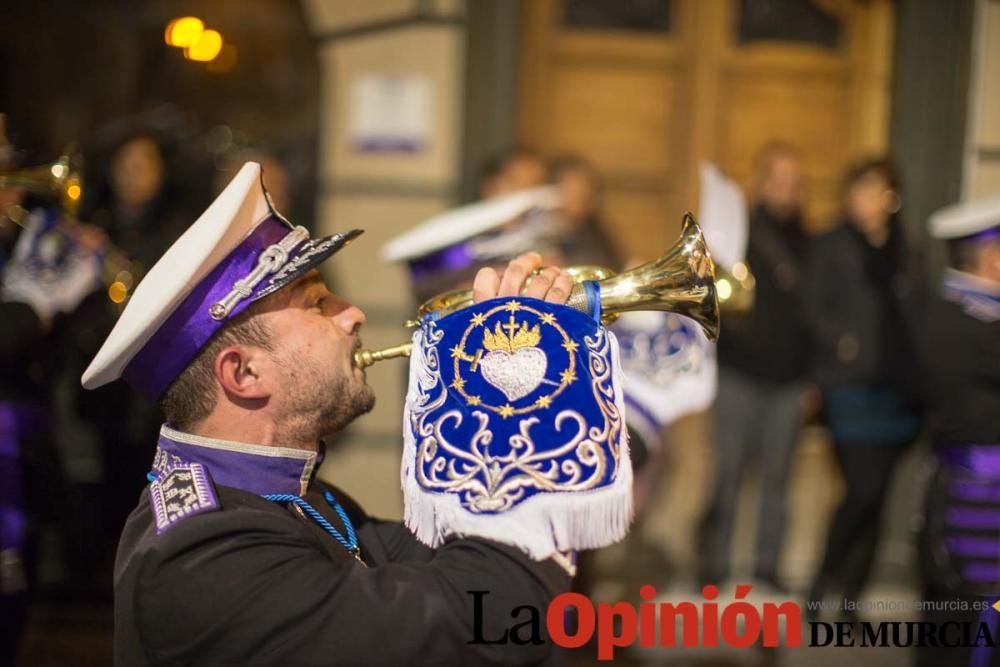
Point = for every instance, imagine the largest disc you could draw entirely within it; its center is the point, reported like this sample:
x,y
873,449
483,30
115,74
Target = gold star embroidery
x,y
548,318
458,383
570,345
478,319
544,401
506,411
456,352
512,306
473,400
567,376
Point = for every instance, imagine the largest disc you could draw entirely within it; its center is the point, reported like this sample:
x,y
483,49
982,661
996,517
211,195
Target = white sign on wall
x,y
390,113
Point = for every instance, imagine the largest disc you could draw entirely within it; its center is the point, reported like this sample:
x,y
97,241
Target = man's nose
x,y
350,319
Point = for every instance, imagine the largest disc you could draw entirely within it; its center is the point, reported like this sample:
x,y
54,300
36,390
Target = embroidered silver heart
x,y
517,374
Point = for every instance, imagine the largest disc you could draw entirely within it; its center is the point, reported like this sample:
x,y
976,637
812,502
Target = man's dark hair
x,y
767,154
495,164
191,397
570,162
879,166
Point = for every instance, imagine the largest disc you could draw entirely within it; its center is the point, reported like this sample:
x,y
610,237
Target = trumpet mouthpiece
x,y
365,358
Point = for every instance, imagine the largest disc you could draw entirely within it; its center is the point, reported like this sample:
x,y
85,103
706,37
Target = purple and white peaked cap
x,y
238,251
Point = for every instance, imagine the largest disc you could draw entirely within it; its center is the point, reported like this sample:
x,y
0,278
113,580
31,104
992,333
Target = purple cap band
x,y
452,258
189,327
983,235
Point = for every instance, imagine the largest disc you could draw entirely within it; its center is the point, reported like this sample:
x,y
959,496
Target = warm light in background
x,y
723,289
207,47
74,191
117,292
226,60
740,271
184,32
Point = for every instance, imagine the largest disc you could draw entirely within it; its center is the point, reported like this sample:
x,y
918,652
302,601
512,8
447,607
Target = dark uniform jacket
x,y
860,306
768,343
959,543
960,351
210,573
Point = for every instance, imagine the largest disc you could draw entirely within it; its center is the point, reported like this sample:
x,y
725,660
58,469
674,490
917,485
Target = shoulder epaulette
x,y
179,491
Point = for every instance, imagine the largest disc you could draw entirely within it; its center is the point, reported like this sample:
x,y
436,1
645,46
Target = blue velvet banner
x,y
515,408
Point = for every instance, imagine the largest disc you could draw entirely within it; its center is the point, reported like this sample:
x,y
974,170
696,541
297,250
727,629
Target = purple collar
x,y
258,469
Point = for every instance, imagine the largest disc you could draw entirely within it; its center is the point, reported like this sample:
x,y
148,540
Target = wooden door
x,y
648,89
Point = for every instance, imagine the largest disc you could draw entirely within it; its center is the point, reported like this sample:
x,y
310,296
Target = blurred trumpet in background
x,y
60,183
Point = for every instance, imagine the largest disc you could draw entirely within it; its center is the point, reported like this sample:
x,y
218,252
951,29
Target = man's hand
x,y
550,284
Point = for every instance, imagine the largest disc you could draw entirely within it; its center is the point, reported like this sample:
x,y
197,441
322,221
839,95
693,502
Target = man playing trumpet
x,y
237,553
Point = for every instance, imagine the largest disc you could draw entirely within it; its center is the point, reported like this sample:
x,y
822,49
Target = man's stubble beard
x,y
321,402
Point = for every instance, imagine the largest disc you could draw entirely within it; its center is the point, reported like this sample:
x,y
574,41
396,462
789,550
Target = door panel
x,y
647,107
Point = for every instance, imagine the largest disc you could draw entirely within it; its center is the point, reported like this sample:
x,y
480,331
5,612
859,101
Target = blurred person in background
x,y
584,240
960,354
761,365
108,431
861,295
140,209
515,214
514,169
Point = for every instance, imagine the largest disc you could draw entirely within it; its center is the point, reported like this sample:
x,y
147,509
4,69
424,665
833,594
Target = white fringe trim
x,y
541,525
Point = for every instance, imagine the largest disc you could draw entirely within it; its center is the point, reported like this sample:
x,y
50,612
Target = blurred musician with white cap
x,y
960,542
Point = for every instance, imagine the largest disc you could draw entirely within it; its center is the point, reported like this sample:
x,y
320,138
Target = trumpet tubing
x,y
59,180
681,281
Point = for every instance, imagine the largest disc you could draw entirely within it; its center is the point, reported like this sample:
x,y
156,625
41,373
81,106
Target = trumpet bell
x,y
681,281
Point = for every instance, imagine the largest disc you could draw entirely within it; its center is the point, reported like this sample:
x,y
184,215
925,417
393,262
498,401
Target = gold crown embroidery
x,y
514,339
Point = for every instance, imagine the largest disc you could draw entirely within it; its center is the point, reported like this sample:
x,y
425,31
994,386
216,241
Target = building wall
x,y
982,149
384,192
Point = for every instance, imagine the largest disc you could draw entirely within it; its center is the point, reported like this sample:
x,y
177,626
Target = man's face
x,y
869,202
314,334
578,193
989,260
137,172
520,173
781,188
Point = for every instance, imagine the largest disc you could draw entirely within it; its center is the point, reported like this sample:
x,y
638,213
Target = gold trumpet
x,y
681,281
60,181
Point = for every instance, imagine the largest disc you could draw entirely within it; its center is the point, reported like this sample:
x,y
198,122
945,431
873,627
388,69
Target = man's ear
x,y
238,368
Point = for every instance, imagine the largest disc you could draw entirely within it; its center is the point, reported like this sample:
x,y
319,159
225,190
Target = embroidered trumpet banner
x,y
514,429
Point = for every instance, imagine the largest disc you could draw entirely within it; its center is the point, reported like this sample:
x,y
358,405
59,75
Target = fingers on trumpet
x,y
524,276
